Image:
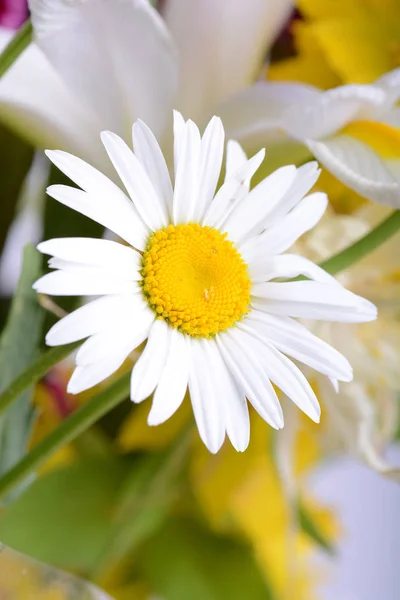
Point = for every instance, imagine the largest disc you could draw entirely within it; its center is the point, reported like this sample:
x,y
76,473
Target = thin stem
x,y
76,424
35,372
17,45
364,246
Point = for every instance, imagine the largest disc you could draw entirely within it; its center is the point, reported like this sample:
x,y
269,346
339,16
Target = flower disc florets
x,y
195,279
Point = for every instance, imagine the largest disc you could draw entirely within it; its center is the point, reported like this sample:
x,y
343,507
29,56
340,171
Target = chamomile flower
x,y
200,279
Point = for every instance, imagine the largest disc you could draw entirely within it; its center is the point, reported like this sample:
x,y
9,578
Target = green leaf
x,y
372,240
65,516
144,502
310,527
15,160
68,431
184,560
17,45
18,347
34,373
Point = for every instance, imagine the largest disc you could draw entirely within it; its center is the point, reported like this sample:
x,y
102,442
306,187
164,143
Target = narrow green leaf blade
x,y
69,430
17,45
34,372
18,347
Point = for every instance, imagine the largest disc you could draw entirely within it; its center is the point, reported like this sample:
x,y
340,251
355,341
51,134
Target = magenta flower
x,y
13,13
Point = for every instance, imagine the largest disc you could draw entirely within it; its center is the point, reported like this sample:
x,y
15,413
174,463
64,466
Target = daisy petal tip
x,y
72,388
52,154
107,135
153,420
369,310
51,340
241,446
213,447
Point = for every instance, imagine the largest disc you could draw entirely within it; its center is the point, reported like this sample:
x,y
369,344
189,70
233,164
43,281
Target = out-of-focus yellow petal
x,y
135,434
215,478
48,418
360,51
243,493
347,8
382,138
360,39
344,200
309,65
307,449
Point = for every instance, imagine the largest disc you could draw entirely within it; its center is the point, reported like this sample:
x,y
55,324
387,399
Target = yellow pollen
x,y
195,279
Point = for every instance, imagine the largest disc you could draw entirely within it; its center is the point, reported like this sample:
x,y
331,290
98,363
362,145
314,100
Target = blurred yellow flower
x,y
243,495
343,41
360,38
309,65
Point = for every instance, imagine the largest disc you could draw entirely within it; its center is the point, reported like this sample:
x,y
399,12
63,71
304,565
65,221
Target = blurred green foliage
x,y
18,347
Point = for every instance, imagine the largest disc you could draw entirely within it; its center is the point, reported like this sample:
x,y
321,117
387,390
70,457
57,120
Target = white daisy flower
x,y
197,280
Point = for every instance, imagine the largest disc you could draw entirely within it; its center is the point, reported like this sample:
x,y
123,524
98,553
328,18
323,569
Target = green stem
x,y
35,372
17,45
364,246
77,423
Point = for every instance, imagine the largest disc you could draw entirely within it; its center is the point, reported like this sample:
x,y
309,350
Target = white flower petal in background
x,y
189,291
133,71
353,131
222,46
362,419
26,227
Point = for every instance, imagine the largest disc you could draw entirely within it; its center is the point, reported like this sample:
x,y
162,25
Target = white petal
x,y
247,217
327,113
390,82
112,273
36,104
63,283
293,339
149,205
283,373
204,395
359,167
222,46
116,57
232,191
179,134
124,336
211,155
306,177
87,320
95,252
254,115
312,300
104,202
152,159
251,379
232,400
173,382
84,378
186,190
236,157
148,369
287,230
287,265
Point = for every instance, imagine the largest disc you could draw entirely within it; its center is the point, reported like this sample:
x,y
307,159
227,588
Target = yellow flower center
x,y
195,279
